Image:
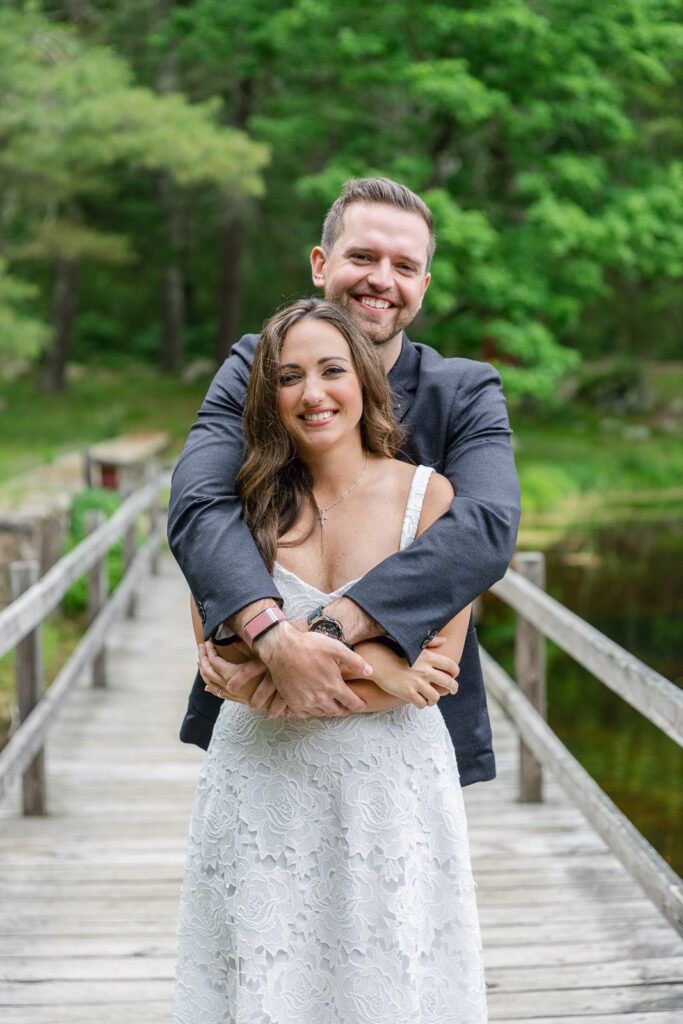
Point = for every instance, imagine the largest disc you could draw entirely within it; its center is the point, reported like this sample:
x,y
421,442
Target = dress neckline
x,y
325,593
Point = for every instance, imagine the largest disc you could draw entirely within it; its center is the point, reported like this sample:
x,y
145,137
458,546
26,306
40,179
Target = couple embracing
x,y
336,509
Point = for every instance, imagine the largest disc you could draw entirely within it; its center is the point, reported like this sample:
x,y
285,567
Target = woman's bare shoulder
x,y
437,500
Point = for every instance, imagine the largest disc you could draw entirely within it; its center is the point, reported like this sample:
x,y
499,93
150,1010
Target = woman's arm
x,y
431,675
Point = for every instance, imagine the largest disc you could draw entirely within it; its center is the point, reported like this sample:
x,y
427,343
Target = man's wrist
x,y
238,621
266,644
357,624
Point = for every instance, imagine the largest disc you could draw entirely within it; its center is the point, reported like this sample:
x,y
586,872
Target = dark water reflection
x,y
628,582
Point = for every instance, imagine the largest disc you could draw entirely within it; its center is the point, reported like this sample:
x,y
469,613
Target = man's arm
x,y
206,532
216,552
415,592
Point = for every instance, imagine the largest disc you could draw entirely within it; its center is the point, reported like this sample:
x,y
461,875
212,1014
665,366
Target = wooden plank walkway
x,y
89,894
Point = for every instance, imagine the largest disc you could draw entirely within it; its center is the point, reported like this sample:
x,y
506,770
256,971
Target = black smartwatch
x,y
326,624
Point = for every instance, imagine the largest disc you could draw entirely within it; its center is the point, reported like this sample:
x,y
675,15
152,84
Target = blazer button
x,y
428,639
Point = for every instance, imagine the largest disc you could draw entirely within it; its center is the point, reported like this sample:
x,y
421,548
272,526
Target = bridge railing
x,y
539,616
35,598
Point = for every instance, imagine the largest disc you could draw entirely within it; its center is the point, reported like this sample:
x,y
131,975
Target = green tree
x,y
543,135
521,124
73,120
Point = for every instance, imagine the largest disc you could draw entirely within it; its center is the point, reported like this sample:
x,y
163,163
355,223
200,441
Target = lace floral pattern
x,y
328,877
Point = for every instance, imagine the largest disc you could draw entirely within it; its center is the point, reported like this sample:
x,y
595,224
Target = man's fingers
x,y
277,706
347,698
262,694
359,666
246,673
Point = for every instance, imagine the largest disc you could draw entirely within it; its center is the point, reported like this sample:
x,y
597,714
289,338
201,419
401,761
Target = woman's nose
x,y
313,393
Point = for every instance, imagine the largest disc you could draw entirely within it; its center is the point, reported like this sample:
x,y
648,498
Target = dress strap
x,y
414,504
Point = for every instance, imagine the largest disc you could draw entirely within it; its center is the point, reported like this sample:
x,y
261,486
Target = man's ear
x,y
428,278
318,262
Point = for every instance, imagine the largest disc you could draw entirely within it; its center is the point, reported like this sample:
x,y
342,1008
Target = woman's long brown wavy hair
x,y
274,482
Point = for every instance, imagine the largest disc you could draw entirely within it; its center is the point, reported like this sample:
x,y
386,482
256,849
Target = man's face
x,y
377,269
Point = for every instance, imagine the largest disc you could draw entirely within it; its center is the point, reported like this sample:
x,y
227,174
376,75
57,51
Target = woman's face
x,y
320,399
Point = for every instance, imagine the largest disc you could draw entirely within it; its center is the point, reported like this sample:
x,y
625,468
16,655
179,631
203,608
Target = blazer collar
x,y
403,376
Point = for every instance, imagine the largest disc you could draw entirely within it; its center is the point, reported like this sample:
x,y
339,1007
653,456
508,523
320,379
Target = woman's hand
x,y
430,677
218,673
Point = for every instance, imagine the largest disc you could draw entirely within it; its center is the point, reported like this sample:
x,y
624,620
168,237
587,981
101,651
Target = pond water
x,y
628,583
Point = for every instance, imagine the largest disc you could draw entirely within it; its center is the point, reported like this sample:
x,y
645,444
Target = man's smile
x,y
373,302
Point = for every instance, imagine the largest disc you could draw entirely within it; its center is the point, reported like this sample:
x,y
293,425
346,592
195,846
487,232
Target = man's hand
x,y
305,669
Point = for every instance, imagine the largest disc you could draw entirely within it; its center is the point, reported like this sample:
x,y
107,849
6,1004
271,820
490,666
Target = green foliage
x,y
545,136
94,499
521,126
74,124
22,336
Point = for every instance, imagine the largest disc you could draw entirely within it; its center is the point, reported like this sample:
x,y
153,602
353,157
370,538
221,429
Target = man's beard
x,y
377,334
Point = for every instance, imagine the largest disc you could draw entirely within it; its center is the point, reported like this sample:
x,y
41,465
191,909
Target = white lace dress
x,y
328,876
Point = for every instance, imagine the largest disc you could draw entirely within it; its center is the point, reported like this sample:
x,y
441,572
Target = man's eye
x,y
360,256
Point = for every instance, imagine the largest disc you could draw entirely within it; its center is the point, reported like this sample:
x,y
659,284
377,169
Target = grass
x,y
36,428
60,637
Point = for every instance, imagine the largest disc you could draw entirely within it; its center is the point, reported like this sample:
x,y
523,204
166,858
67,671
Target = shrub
x,y
94,499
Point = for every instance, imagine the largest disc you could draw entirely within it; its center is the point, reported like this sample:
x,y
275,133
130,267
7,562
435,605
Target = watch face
x,y
327,626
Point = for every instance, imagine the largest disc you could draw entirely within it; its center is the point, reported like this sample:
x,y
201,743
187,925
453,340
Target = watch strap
x,y
261,623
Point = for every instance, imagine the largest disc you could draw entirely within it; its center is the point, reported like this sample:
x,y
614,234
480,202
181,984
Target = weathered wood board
x,y
89,894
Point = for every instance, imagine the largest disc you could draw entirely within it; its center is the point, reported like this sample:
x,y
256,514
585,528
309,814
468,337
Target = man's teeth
x,y
376,303
311,417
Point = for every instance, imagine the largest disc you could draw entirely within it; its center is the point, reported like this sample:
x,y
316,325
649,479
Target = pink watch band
x,y
261,623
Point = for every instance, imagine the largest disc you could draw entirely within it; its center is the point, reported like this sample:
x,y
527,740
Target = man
x,y
374,260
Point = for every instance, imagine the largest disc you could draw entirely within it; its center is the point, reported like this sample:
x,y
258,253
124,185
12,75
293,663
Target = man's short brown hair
x,y
375,190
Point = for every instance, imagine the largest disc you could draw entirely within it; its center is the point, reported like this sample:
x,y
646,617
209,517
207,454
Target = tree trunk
x,y
232,242
64,304
229,298
172,351
173,320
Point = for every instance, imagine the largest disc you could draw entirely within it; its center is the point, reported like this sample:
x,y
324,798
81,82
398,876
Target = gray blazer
x,y
456,421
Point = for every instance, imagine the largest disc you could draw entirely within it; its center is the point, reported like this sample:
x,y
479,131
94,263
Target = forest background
x,y
165,167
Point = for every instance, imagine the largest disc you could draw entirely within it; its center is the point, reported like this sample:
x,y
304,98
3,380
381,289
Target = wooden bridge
x,y
89,890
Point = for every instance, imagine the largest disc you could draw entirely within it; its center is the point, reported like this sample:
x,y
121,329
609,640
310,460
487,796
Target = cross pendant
x,y
322,517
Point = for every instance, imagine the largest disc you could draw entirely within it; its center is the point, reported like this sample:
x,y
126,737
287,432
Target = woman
x,y
328,877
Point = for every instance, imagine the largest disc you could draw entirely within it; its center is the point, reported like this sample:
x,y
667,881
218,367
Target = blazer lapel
x,y
402,379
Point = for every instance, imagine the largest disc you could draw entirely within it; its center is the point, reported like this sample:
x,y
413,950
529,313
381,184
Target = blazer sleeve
x,y
415,592
206,531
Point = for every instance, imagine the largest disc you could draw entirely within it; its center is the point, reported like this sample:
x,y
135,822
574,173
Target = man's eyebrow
x,y
325,359
402,258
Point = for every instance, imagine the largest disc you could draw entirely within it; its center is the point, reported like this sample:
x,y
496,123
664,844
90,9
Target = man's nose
x,y
380,276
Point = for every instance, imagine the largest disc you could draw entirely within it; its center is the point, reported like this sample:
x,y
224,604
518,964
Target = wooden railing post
x,y
127,489
152,476
530,674
29,681
98,579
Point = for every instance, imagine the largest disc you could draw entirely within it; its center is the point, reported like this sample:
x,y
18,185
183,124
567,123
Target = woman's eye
x,y
333,371
288,378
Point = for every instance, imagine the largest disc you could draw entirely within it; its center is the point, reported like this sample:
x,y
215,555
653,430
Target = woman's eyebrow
x,y
325,359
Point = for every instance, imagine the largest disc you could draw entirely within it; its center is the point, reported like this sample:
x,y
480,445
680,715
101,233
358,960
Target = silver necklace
x,y
322,511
